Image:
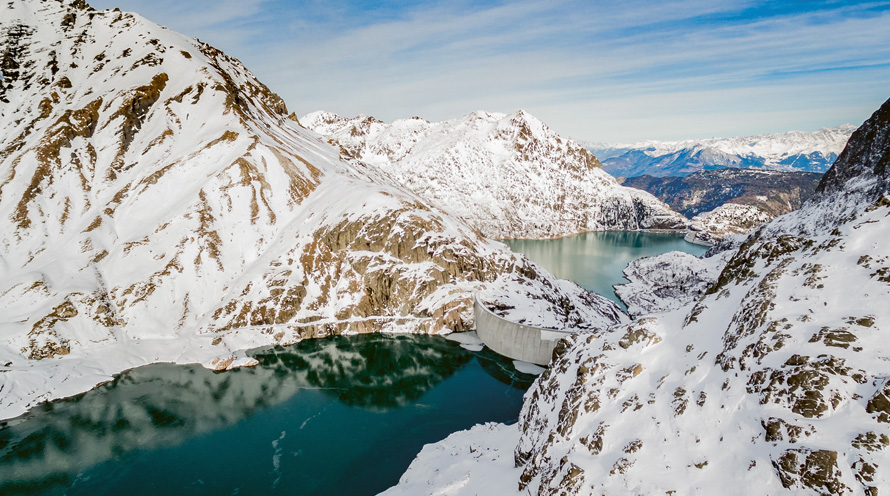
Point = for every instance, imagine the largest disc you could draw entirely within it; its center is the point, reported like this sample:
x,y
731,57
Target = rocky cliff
x,y
509,176
157,204
773,380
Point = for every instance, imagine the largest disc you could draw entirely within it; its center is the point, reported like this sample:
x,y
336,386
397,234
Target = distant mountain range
x,y
791,151
729,201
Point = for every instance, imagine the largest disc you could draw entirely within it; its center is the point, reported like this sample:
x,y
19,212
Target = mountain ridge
x,y
790,151
774,192
507,175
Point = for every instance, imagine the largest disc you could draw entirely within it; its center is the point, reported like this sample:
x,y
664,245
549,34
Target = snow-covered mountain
x,y
157,204
773,380
792,151
509,176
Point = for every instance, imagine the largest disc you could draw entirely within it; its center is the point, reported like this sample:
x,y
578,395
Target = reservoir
x,y
334,416
595,260
340,415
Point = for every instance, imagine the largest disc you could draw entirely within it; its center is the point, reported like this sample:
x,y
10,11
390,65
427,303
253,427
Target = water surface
x,y
595,260
343,415
335,416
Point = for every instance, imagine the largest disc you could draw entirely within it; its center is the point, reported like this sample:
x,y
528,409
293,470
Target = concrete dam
x,y
517,341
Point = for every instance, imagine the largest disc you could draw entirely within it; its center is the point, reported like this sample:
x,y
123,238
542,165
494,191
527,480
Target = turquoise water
x,y
336,416
343,415
595,260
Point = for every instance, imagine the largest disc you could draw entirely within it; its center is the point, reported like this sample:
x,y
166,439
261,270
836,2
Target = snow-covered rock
x,y
774,381
668,281
157,204
730,218
791,151
510,176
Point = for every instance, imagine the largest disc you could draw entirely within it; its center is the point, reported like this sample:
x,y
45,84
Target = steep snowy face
x,y
509,176
157,204
792,151
774,379
668,281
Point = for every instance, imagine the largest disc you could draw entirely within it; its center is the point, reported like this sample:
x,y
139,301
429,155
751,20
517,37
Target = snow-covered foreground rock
x,y
775,380
791,151
510,176
157,204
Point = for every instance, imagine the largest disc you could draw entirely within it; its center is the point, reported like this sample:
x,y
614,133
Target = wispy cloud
x,y
617,71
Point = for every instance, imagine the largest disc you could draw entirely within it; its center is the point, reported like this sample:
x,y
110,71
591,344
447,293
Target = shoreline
x,y
677,232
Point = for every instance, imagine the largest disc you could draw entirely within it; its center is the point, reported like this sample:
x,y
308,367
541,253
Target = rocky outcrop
x,y
158,204
771,381
509,176
866,161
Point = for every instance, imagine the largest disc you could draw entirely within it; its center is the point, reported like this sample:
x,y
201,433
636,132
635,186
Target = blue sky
x,y
594,71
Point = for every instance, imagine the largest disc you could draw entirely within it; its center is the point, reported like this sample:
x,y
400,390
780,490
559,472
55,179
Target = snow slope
x,y
510,176
791,151
775,380
157,204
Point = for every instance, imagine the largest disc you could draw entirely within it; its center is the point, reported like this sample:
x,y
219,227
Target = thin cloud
x,y
576,64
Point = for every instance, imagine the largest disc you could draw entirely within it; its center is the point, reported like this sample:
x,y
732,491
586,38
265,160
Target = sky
x,y
596,71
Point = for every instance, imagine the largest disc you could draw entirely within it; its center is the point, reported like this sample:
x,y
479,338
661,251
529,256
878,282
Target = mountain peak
x,y
864,161
506,175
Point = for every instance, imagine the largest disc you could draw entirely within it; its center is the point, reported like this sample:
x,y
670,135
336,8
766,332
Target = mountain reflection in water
x,y
355,392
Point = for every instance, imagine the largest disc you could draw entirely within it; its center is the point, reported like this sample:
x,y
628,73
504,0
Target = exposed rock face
x,y
772,381
865,159
710,227
509,176
773,192
157,204
792,151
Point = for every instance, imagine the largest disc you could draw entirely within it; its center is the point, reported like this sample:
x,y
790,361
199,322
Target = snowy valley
x,y
157,204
